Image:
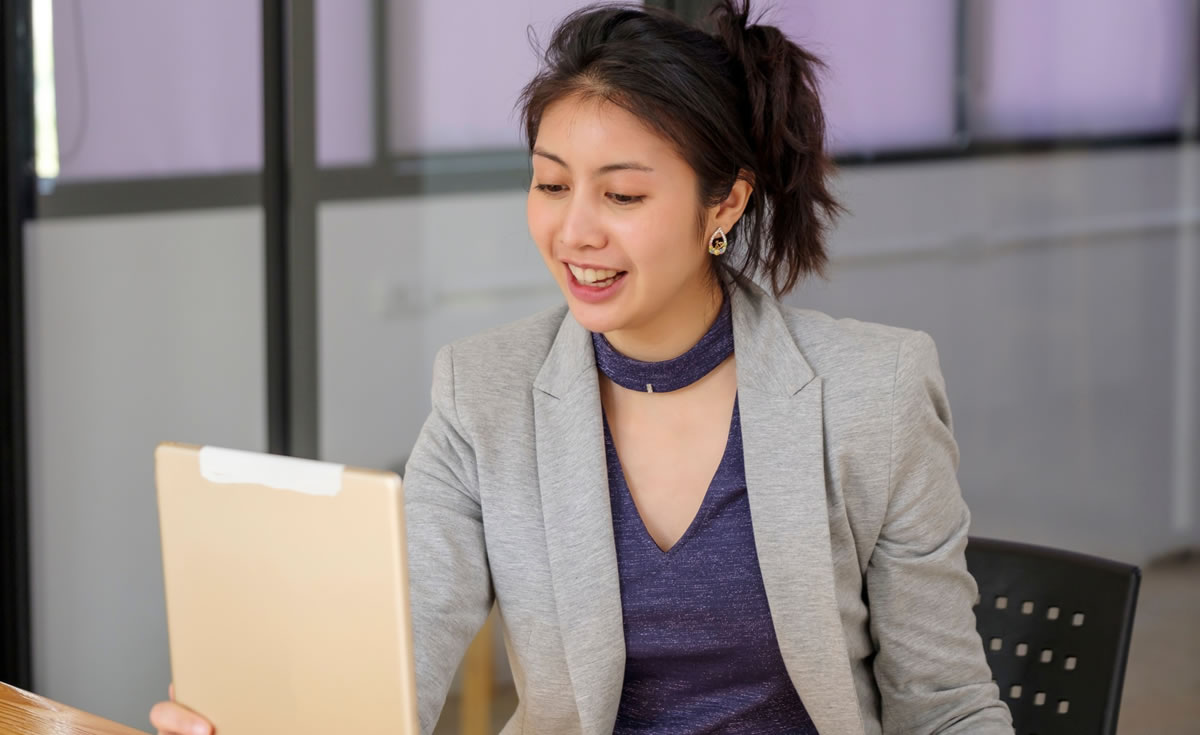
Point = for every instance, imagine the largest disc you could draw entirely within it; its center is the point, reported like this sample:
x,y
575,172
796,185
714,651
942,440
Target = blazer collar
x,y
571,357
767,356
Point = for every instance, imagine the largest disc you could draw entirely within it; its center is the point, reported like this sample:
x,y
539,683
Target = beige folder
x,y
287,593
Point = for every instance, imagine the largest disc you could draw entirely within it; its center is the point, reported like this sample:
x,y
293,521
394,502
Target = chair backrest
x,y
1056,627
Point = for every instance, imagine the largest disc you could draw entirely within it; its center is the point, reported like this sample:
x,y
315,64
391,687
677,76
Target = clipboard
x,y
286,587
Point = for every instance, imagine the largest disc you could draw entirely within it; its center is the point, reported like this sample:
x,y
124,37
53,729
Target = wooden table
x,y
22,713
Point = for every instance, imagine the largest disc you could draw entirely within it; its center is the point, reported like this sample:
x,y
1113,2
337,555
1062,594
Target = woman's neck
x,y
672,331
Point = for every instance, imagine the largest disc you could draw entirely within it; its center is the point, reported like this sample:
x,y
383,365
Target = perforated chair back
x,y
1056,627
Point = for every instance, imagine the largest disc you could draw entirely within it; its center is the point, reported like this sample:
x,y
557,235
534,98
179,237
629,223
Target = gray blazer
x,y
858,520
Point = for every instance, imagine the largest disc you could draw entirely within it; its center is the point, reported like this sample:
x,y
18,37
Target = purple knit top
x,y
701,654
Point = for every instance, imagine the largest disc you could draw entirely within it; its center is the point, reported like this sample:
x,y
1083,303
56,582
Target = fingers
x,y
173,719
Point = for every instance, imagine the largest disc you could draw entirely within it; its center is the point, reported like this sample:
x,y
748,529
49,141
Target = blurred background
x,y
251,224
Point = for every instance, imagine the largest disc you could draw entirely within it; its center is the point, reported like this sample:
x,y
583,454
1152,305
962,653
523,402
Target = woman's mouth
x,y
594,277
593,284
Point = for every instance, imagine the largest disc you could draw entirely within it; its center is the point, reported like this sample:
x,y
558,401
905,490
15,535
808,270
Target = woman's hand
x,y
174,719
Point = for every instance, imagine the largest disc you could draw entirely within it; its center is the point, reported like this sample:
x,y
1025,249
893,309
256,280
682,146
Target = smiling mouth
x,y
594,278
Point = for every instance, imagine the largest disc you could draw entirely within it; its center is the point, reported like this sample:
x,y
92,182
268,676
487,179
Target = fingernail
x,y
200,729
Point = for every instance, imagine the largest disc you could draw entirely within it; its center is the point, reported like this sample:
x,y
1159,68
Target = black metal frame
x,y
275,219
16,202
289,191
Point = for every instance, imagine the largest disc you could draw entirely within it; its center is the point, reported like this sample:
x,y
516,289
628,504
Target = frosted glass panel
x,y
152,88
141,329
890,82
345,45
1080,67
456,68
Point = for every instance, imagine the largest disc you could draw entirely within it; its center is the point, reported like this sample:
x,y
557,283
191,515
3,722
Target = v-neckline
x,y
705,503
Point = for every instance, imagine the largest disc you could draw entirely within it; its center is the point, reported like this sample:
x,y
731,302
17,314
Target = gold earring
x,y
718,243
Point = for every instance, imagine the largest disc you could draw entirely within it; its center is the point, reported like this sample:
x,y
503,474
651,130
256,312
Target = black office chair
x,y
1056,627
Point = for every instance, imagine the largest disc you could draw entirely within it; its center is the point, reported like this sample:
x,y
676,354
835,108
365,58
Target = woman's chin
x,y
594,318
597,314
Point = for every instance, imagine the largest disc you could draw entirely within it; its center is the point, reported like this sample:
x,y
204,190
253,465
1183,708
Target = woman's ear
x,y
728,211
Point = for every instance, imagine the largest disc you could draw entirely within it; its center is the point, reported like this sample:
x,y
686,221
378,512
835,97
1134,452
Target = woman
x,y
698,510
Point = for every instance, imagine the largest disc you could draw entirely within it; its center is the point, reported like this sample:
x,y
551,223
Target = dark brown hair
x,y
739,99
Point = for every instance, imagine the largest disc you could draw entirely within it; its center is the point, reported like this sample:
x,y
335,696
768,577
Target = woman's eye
x,y
623,199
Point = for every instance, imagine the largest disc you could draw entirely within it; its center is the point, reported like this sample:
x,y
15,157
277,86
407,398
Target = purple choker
x,y
679,372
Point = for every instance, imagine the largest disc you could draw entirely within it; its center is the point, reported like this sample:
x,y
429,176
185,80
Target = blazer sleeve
x,y
930,666
450,588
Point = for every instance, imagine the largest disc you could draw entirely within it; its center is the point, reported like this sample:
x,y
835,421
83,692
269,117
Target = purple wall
x,y
890,78
149,88
1081,67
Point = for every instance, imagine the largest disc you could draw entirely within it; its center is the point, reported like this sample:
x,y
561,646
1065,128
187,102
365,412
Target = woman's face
x,y
613,209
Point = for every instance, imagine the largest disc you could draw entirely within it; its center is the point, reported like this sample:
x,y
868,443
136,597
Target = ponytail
x,y
786,130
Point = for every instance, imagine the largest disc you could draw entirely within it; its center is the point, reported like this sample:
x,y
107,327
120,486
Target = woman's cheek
x,y
540,228
648,241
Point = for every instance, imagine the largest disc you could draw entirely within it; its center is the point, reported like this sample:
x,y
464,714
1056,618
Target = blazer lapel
x,y
573,479
783,438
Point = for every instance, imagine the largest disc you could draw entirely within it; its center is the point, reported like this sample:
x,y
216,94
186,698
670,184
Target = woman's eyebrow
x,y
621,166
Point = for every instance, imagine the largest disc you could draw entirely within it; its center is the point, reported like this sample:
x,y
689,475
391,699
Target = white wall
x,y
140,329
1061,291
399,278
1058,287
1051,284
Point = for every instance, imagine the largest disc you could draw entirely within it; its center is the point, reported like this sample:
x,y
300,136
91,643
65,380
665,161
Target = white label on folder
x,y
234,466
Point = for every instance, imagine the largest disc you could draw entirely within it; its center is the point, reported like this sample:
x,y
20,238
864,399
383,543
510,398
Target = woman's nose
x,y
581,226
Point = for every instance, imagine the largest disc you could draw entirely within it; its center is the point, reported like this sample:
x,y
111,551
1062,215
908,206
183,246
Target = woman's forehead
x,y
594,132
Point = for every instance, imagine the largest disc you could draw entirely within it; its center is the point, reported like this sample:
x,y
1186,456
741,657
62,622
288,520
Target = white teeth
x,y
591,275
